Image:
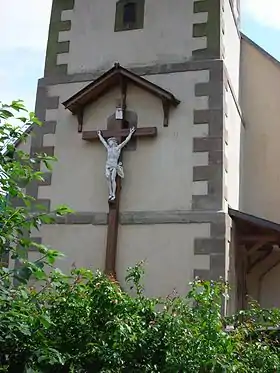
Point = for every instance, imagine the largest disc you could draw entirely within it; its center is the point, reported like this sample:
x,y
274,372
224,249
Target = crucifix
x,y
117,137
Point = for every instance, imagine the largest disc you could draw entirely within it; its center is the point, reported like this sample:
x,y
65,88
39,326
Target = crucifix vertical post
x,y
114,206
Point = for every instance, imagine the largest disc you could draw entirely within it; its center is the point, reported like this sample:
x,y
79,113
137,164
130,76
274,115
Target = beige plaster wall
x,y
231,42
168,254
82,245
93,24
233,134
158,175
260,92
167,250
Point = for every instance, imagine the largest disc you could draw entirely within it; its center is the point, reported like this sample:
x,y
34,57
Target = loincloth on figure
x,y
118,168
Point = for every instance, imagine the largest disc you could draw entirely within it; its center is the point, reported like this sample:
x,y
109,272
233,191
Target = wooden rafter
x,y
262,256
251,238
253,249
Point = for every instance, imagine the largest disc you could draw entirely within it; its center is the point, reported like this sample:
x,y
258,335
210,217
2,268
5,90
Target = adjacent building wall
x,y
260,92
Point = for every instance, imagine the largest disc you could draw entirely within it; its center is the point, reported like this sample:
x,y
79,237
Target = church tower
x,y
171,70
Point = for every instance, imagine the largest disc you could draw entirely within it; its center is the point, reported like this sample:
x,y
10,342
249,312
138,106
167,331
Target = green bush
x,y
86,323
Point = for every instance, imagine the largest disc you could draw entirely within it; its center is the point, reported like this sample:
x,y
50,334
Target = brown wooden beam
x,y
140,132
123,84
252,250
257,238
241,263
166,109
80,117
262,276
112,233
113,217
260,259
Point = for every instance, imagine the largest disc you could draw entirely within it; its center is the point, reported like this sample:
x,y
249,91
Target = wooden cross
x,y
119,132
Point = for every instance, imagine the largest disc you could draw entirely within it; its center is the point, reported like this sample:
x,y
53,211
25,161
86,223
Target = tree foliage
x,y
84,322
19,213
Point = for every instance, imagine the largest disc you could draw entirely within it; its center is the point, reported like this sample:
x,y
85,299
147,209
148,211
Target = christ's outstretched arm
x,y
131,132
104,142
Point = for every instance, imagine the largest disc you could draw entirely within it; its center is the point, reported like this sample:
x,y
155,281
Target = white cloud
x,y
265,12
24,23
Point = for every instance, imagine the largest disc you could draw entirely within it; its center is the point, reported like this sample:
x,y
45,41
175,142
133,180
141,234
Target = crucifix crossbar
x,y
119,133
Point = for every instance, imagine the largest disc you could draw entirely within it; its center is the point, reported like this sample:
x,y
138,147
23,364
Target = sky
x,y
24,31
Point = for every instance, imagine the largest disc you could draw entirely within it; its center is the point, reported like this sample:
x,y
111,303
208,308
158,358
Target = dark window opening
x,y
129,14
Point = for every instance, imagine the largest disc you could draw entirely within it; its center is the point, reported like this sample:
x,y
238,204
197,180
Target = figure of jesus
x,y
113,166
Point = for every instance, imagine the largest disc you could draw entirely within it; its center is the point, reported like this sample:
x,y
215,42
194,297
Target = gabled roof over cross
x,y
117,75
